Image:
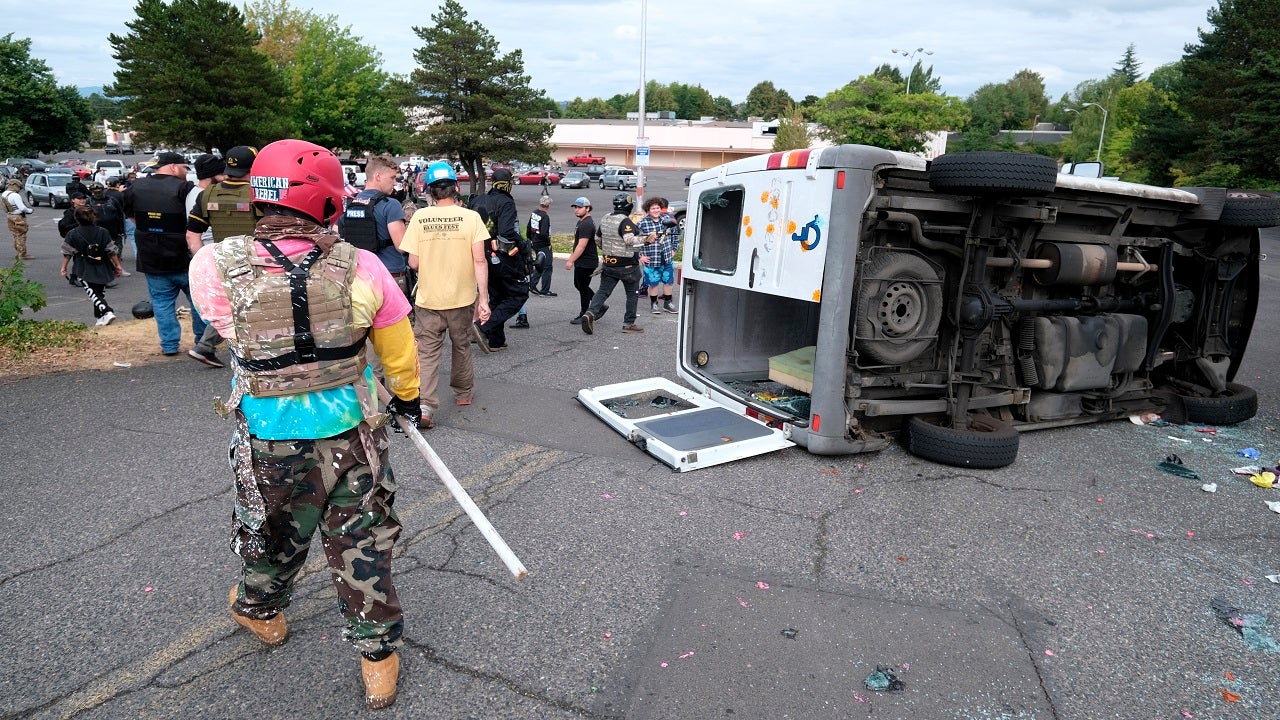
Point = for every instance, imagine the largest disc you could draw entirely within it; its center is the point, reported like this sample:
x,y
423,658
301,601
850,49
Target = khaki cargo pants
x,y
18,227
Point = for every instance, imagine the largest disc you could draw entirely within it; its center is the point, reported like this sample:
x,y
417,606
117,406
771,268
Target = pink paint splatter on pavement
x,y
762,585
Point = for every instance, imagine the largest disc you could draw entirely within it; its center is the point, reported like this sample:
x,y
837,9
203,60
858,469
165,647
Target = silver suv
x,y
46,188
619,178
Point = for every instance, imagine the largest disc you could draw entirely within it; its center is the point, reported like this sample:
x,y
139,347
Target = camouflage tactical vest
x,y
611,242
230,210
294,331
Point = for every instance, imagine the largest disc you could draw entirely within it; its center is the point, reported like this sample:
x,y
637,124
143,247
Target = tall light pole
x,y
644,29
910,55
1103,133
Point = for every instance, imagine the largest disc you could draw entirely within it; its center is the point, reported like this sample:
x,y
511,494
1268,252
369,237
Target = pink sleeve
x,y
394,305
208,292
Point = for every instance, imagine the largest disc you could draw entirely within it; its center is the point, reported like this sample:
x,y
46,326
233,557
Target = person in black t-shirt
x,y
584,260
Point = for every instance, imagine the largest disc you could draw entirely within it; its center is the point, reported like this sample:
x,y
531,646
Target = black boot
x,y
522,321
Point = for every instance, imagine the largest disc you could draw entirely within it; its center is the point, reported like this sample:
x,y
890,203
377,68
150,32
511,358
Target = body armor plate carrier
x,y
230,210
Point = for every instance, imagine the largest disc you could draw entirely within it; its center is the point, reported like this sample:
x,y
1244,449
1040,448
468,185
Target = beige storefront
x,y
672,143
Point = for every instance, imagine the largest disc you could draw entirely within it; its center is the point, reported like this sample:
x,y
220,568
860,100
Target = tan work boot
x,y
272,632
380,680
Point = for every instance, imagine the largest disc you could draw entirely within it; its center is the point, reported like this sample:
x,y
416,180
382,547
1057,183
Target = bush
x,y
17,293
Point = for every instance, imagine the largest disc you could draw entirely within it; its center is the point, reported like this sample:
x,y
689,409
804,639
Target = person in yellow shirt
x,y
445,243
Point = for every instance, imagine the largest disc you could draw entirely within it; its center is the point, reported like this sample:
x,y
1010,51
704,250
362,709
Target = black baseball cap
x,y
240,160
169,158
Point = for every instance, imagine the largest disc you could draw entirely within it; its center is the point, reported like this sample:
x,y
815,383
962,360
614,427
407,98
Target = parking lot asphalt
x,y
1075,583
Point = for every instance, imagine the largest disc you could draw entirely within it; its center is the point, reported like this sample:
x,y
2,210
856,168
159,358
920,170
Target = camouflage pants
x,y
327,484
18,227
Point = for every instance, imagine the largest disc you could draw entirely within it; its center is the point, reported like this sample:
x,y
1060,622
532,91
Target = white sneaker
x,y
101,321
106,319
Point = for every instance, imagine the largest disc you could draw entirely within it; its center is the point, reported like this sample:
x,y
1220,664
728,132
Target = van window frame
x,y
725,232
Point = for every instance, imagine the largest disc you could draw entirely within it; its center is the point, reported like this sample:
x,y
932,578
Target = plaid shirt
x,y
662,251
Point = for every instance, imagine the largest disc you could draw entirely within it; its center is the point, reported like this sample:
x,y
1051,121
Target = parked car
x,y
584,159
112,167
575,179
33,165
618,178
594,171
953,303
48,189
534,177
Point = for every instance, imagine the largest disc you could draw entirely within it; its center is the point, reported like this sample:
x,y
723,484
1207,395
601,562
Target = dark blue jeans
x,y
609,279
164,291
540,280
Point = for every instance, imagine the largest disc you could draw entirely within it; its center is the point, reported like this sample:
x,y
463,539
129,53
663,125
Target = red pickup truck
x,y
584,159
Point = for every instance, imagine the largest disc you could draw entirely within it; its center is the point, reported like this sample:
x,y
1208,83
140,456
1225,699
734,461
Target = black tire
x,y
1244,208
987,442
899,308
1237,404
993,173
31,202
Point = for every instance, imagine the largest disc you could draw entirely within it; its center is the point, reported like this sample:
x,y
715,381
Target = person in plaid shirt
x,y
660,249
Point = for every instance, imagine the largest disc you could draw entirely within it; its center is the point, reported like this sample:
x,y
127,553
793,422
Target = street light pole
x,y
910,56
1103,132
644,29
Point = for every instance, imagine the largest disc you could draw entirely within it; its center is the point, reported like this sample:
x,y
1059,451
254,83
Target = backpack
x,y
8,206
95,242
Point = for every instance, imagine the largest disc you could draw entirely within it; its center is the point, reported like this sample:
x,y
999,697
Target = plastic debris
x,y
1273,578
1206,430
1247,470
1209,487
1181,440
1251,626
739,535
122,364
883,680
1229,696
1273,505
1173,465
790,633
1251,453
1263,479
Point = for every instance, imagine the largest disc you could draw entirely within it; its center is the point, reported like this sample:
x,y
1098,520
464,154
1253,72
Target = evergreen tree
x,y
188,74
481,99
1127,70
36,115
792,132
1232,88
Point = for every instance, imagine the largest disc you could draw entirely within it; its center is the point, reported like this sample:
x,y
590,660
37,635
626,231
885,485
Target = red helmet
x,y
299,175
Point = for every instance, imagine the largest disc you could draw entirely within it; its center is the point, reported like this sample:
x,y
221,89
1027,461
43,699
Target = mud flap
x,y
684,429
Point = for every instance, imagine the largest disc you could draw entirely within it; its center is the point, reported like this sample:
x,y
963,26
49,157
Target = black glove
x,y
411,409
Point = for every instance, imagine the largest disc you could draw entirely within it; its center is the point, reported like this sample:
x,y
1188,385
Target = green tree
x,y
104,108
594,108
872,111
481,99
656,97
36,114
623,104
281,28
1232,88
692,101
766,101
338,91
188,74
793,134
723,108
1016,104
1127,70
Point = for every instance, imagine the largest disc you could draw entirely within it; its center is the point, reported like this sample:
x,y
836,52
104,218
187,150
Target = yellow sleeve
x,y
399,354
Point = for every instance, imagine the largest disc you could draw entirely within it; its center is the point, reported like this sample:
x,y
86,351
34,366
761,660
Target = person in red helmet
x,y
296,305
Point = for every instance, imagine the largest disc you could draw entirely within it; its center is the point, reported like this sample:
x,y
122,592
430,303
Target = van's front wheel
x,y
985,443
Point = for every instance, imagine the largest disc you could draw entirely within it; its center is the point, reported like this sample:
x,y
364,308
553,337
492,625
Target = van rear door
x,y
684,429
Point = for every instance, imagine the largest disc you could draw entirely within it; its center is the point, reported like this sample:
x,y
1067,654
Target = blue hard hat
x,y
440,172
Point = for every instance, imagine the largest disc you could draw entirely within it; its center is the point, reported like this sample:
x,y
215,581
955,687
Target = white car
x,y
353,174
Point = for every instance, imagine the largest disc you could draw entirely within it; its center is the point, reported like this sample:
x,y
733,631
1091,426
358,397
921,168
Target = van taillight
x,y
816,423
840,180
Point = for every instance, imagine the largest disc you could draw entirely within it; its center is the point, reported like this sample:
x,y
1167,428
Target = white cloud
x,y
590,48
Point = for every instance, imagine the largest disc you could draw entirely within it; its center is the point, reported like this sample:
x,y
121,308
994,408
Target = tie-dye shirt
x,y
376,301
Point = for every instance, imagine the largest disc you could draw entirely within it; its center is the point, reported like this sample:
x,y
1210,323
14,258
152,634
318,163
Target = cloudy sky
x,y
591,48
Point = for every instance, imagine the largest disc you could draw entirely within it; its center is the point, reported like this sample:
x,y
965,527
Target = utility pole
x,y
910,56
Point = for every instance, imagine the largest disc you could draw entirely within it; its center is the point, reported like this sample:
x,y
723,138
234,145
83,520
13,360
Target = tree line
x,y
203,73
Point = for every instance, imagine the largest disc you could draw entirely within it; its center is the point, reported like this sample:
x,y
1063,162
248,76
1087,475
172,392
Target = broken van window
x,y
716,247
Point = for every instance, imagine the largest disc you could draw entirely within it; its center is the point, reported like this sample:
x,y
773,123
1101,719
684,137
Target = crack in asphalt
x,y
430,655
1026,645
112,539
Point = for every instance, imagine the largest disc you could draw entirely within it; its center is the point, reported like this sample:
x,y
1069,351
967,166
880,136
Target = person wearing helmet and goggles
x,y
619,243
296,305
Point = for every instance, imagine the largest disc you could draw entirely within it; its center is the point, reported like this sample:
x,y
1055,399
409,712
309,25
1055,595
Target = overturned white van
x,y
834,298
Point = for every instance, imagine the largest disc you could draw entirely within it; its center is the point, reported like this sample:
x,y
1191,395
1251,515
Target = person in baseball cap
x,y
240,160
581,202
169,158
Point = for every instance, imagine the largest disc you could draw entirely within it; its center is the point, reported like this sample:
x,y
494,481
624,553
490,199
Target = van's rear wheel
x,y
985,443
1244,208
993,173
1237,404
899,308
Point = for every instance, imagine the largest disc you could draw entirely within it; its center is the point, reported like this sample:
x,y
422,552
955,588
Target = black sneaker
x,y
549,294
535,291
670,308
588,322
653,307
208,357
522,321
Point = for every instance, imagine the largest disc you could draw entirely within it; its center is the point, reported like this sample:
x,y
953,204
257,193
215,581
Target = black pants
x,y
609,278
506,296
582,281
540,280
97,293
